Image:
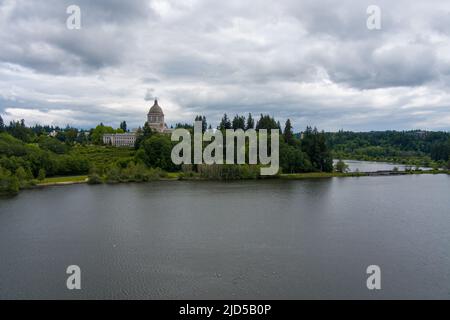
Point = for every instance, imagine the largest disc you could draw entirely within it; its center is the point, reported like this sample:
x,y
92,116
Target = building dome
x,y
155,118
156,109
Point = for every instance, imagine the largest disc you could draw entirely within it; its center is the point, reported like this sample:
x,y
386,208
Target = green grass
x,y
173,175
66,179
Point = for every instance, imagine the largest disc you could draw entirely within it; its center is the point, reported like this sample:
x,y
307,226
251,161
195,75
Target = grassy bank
x,y
174,175
63,180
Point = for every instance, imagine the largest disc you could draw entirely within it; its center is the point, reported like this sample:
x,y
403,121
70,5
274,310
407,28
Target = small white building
x,y
120,139
53,133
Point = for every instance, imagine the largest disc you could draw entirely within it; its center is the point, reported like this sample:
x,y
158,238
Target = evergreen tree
x,y
238,122
18,130
123,126
250,122
203,120
204,124
2,124
314,144
142,135
225,123
186,126
288,134
267,122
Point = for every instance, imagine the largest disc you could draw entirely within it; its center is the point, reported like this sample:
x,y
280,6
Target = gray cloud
x,y
34,34
312,61
149,94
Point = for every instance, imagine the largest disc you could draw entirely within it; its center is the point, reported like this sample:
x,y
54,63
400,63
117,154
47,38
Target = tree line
x,y
298,153
415,147
32,153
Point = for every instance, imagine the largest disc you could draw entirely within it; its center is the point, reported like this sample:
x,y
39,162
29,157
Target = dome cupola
x,y
155,117
156,109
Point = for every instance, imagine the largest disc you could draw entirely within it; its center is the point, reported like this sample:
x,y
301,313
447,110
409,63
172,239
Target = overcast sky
x,y
315,62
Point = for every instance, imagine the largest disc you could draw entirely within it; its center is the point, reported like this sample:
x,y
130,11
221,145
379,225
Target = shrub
x,y
341,167
52,144
229,171
41,174
9,184
94,178
112,174
156,152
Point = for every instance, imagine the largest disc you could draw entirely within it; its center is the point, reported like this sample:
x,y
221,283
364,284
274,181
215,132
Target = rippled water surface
x,y
252,239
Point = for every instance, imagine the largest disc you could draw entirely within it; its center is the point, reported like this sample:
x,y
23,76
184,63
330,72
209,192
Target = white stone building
x,y
120,139
155,119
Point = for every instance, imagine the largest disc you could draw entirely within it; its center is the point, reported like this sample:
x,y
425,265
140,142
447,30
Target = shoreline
x,y
63,183
284,176
401,161
62,180
175,176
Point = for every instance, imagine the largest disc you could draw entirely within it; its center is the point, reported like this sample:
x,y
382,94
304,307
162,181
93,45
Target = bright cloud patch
x,y
312,61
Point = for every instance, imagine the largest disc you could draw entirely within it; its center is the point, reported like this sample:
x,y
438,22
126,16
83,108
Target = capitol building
x,y
155,120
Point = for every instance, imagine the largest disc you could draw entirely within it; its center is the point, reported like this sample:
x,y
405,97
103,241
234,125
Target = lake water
x,y
266,239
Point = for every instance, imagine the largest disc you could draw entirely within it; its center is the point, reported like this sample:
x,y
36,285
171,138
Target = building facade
x,y
120,139
155,119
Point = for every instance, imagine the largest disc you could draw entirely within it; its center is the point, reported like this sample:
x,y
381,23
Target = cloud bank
x,y
314,62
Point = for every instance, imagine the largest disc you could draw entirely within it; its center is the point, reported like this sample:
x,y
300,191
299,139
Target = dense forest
x,y
424,148
28,155
309,154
